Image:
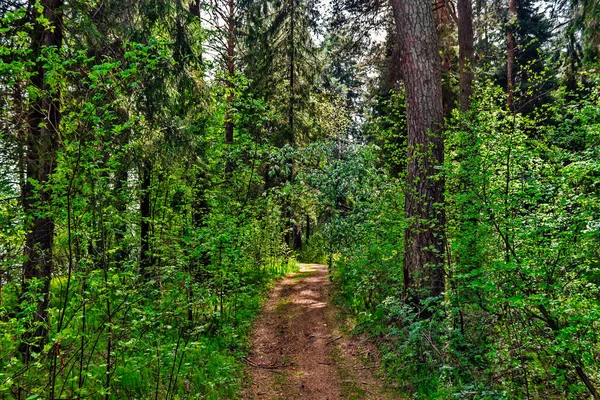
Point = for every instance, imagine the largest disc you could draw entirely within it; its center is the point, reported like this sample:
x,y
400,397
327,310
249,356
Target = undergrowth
x,y
164,344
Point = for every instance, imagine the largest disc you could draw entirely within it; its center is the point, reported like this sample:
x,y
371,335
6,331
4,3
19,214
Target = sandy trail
x,y
300,349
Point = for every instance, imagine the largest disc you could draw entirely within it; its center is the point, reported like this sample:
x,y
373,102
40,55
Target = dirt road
x,y
301,350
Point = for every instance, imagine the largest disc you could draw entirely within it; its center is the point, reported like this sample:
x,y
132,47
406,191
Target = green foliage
x,y
166,238
283,62
532,279
364,227
388,129
519,317
181,330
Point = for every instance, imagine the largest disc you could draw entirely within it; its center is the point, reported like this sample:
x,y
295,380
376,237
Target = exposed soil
x,y
301,349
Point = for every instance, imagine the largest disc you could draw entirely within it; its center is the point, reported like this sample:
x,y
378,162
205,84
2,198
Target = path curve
x,y
299,349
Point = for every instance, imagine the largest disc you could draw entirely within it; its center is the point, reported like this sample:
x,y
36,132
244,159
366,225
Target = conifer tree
x,y
424,196
42,146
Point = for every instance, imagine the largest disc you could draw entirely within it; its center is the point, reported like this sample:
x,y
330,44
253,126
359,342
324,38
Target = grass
x,y
155,351
282,304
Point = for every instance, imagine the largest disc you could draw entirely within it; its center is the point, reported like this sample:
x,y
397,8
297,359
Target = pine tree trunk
x,y
424,195
42,146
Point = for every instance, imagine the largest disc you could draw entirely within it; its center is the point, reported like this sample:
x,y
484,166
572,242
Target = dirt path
x,y
300,350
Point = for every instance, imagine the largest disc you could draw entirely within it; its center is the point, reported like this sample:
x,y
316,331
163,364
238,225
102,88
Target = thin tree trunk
x,y
466,51
445,17
44,121
510,38
293,239
145,256
468,238
288,238
297,237
121,207
571,71
292,51
588,382
307,228
230,71
424,198
229,126
200,211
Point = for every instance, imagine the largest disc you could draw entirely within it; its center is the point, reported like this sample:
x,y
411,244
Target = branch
x,y
11,198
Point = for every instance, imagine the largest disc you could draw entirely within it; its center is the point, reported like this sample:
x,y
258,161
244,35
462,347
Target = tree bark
x,y
42,145
466,51
424,198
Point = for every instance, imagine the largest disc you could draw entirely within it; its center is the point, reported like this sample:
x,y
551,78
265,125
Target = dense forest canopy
x,y
163,161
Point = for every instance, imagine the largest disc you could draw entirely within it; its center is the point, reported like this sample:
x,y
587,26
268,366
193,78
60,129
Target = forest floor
x,y
302,348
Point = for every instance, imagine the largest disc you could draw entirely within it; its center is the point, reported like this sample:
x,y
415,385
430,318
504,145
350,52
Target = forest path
x,y
301,348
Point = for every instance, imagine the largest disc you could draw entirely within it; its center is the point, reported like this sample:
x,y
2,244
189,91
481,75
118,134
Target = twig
x,y
334,340
266,366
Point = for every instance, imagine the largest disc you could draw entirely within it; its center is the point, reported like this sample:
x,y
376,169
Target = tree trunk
x,y
424,196
307,228
145,256
230,70
200,211
229,126
297,237
468,154
466,51
468,254
292,50
510,38
120,188
42,146
444,18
